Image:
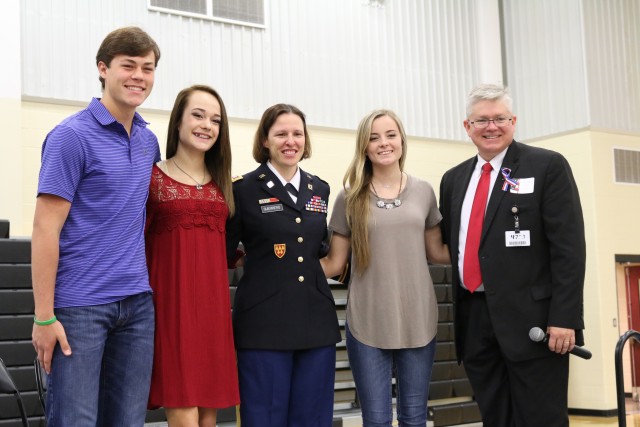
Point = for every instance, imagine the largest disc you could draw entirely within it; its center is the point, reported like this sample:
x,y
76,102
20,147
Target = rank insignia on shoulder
x,y
261,176
280,249
237,178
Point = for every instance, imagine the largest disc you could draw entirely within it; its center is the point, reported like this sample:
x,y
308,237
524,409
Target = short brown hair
x,y
269,117
131,41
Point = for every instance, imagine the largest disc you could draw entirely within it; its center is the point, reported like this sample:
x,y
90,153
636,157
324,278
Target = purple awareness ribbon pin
x,y
508,181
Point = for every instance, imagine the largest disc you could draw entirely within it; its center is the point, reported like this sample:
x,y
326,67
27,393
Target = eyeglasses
x,y
483,123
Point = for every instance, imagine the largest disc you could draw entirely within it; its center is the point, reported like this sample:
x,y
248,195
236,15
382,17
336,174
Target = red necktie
x,y
472,275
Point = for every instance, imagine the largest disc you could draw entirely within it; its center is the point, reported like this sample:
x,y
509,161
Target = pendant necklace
x,y
198,184
388,205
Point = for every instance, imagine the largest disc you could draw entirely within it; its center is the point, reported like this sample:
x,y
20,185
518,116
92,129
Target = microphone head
x,y
536,334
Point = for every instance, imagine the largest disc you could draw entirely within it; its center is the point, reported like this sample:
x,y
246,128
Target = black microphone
x,y
537,335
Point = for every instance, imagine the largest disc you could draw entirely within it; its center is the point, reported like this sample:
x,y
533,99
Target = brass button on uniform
x,y
298,220
300,279
300,259
300,240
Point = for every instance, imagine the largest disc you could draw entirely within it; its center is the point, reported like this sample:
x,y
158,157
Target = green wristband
x,y
44,322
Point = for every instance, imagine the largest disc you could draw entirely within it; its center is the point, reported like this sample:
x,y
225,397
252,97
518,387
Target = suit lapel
x,y
511,161
459,191
306,189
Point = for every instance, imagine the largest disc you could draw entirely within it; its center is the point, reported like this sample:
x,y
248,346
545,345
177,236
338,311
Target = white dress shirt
x,y
467,204
295,181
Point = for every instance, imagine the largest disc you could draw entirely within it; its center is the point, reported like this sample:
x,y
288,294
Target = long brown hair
x,y
218,158
356,183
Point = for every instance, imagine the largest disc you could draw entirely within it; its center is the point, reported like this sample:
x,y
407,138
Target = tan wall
x,y
610,210
611,221
11,165
616,223
590,388
37,120
331,154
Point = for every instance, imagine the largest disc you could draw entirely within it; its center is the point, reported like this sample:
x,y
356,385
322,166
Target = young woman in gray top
x,y
388,220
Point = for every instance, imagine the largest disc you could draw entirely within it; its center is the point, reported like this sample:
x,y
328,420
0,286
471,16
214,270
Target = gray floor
x,y
350,418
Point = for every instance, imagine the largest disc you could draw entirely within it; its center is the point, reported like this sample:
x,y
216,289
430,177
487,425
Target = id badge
x,y
513,239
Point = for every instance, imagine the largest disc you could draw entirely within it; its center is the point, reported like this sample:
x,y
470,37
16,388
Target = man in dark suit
x,y
523,268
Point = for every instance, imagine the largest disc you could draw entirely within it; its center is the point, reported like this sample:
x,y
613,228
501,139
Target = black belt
x,y
465,292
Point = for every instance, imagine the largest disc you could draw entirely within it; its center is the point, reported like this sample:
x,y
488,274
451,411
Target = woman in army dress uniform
x,y
285,321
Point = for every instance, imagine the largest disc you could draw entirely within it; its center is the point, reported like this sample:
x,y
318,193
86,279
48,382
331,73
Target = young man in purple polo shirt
x,y
94,318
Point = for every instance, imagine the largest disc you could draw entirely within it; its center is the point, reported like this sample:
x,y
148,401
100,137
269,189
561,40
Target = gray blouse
x,y
392,304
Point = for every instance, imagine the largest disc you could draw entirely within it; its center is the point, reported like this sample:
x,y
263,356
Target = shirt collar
x,y
104,117
496,162
295,180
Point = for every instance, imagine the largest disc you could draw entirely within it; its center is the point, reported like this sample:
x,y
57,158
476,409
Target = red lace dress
x,y
194,361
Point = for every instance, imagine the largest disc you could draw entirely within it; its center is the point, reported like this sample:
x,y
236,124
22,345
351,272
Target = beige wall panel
x,y
590,381
611,222
37,120
10,147
617,207
333,150
11,186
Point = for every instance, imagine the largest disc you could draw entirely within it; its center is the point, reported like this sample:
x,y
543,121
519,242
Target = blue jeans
x,y
105,382
372,371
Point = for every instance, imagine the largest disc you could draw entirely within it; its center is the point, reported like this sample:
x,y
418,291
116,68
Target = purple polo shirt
x,y
89,160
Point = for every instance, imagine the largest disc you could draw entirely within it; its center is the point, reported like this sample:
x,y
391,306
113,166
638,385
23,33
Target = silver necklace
x,y
388,205
198,184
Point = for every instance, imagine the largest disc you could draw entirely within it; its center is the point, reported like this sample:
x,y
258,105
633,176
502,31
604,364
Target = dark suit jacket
x,y
283,300
539,285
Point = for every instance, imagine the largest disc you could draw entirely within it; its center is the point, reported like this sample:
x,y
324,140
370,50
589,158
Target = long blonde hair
x,y
356,184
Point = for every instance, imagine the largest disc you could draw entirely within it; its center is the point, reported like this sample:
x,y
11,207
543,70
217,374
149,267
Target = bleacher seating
x,y
450,394
16,321
450,399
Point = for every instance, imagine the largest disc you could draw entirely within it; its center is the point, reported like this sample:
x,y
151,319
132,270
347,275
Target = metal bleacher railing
x,y
622,416
7,386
